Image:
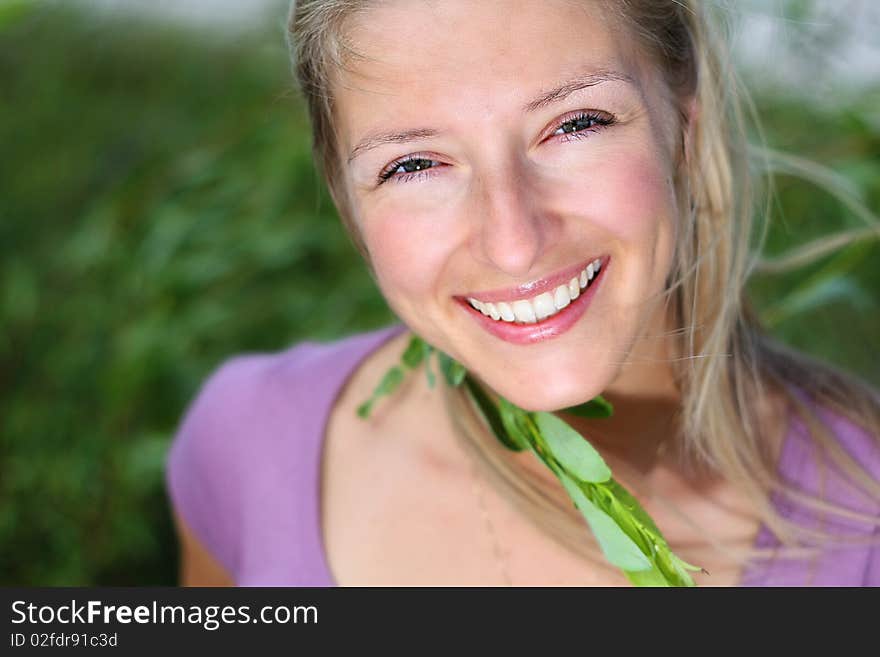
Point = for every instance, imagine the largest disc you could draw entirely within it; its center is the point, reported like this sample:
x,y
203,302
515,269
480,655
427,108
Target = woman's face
x,y
494,150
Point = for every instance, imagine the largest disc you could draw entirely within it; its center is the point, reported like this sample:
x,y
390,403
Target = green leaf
x,y
427,349
452,370
364,409
632,506
389,382
492,415
674,568
571,449
687,566
598,407
617,547
651,577
387,385
617,502
415,353
512,421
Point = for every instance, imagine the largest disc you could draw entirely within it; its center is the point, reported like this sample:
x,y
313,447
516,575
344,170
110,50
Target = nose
x,y
510,231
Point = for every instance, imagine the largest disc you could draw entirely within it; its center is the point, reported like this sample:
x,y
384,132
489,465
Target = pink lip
x,y
546,329
536,287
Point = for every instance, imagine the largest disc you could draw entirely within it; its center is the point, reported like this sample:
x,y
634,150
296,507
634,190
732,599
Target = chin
x,y
550,395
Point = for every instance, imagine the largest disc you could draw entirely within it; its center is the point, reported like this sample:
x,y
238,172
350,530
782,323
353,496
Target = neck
x,y
647,405
635,438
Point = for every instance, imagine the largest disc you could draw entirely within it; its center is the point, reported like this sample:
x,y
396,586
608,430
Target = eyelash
x,y
596,119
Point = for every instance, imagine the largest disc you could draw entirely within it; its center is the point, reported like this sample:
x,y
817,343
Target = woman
x,y
554,194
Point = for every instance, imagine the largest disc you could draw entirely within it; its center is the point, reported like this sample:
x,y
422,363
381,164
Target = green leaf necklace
x,y
627,536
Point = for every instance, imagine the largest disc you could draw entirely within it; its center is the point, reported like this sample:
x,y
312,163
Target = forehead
x,y
468,56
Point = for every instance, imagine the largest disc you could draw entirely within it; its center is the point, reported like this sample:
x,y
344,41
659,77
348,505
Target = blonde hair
x,y
726,365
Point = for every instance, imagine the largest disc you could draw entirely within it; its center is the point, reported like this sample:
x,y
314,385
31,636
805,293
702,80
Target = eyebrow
x,y
392,137
555,95
564,90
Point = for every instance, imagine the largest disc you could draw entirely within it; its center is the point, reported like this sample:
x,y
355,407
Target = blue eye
x,y
407,168
580,123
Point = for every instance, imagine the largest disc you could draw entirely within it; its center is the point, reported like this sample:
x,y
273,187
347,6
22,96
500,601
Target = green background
x,y
159,212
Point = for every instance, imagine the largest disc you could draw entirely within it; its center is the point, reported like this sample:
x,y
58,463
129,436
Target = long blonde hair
x,y
726,365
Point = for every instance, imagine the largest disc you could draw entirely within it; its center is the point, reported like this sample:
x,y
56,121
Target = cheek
x,y
629,202
630,197
407,254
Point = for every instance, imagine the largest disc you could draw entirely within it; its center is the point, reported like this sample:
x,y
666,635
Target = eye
x,y
576,125
407,168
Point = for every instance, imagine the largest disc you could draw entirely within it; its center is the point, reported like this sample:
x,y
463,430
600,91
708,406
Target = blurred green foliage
x,y
830,307
159,211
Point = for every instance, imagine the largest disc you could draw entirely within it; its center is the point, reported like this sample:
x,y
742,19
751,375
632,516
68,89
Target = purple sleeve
x,y
865,449
244,468
843,564
203,473
872,576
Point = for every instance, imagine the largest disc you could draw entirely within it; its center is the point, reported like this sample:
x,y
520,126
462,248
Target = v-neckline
x,y
749,576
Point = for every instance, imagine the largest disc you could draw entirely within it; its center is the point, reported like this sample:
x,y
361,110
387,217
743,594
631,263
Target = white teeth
x,y
523,311
506,311
476,304
544,305
561,298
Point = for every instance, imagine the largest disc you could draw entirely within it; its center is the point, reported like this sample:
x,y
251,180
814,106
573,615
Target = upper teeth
x,y
544,305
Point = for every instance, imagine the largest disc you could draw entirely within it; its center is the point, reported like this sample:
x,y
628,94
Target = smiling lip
x,y
533,288
546,329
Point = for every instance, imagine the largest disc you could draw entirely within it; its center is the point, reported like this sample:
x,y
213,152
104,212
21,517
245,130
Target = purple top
x,y
244,471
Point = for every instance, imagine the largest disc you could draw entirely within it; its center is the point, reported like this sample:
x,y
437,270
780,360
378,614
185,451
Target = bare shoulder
x,y
351,463
370,370
198,567
364,379
352,441
391,480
